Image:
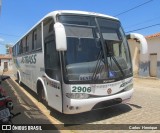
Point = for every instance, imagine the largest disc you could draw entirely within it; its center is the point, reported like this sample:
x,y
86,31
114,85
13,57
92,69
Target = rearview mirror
x,y
141,39
60,37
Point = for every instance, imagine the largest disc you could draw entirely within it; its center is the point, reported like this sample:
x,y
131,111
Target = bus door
x,y
52,71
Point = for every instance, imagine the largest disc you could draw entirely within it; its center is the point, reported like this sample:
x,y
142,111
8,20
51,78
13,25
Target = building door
x,y
153,65
5,66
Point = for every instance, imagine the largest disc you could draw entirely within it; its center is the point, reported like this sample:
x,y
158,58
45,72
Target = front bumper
x,y
74,106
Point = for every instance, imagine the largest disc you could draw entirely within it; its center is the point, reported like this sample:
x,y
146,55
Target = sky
x,y
18,16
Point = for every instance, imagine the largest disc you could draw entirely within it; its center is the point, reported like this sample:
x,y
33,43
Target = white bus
x,y
76,61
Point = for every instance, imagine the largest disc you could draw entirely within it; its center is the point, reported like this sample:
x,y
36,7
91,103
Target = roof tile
x,y
5,57
153,35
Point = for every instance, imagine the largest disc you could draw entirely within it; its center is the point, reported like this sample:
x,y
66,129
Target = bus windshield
x,y
97,49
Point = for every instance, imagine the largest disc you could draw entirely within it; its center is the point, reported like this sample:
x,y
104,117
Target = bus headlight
x,y
77,95
129,87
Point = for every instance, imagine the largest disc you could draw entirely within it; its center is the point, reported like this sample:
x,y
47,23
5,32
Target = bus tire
x,y
41,93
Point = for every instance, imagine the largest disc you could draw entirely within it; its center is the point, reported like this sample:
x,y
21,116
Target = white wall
x,y
154,48
141,66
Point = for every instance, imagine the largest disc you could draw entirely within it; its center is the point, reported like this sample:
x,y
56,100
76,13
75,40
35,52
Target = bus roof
x,y
53,14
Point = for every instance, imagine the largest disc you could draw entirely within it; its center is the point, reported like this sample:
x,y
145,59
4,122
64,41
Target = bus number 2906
x,y
81,89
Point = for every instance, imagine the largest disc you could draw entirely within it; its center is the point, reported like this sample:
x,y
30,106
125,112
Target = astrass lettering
x,y
29,59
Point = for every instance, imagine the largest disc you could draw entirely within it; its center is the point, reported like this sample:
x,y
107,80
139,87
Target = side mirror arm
x,y
141,39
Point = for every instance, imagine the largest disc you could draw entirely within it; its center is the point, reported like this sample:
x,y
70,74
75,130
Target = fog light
x,y
71,107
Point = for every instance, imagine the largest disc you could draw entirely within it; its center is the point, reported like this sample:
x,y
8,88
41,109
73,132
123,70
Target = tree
x,y
8,48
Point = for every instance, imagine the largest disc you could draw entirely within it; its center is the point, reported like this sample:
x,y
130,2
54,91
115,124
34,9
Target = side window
x,y
20,47
47,27
52,64
29,42
24,45
51,56
39,38
17,48
34,39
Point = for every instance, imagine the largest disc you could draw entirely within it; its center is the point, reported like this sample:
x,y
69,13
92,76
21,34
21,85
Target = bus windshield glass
x,y
97,49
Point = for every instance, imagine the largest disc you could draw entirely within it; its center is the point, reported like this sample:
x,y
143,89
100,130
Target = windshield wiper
x,y
98,67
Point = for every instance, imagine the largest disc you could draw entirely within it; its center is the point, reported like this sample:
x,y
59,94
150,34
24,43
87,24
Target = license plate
x,y
4,113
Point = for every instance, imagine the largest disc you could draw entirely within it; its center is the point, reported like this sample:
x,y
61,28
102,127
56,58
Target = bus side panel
x,y
54,93
30,67
39,72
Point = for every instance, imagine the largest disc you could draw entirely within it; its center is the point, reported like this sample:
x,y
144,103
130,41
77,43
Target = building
x,y
147,65
5,63
154,54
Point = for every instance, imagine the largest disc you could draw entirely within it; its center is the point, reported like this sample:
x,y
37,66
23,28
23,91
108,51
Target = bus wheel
x,y
41,95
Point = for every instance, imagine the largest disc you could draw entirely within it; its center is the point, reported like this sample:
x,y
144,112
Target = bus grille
x,y
107,103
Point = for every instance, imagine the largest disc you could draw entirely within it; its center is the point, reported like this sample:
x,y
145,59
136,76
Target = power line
x,y
134,8
143,28
149,20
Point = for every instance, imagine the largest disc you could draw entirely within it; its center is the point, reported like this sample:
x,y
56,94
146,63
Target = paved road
x,y
30,113
144,108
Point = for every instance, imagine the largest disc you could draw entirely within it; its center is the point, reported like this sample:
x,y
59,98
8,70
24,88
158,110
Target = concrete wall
x,y
146,65
154,49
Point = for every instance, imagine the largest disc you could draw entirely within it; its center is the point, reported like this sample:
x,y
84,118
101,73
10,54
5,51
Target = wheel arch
x,y
19,75
40,82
